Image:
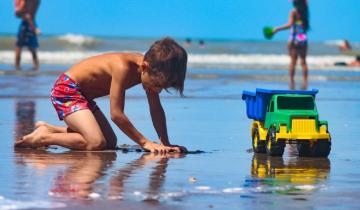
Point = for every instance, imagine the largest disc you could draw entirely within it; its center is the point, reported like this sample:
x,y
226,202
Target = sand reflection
x,y
77,174
25,117
156,178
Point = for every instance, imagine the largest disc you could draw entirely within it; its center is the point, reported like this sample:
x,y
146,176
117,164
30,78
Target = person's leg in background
x,y
17,58
305,71
293,60
35,58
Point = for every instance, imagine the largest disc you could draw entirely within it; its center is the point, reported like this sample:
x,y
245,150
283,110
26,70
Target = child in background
x,y
297,45
163,66
346,49
345,46
356,62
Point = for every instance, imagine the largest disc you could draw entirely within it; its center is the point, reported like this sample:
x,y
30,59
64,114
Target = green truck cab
x,y
286,116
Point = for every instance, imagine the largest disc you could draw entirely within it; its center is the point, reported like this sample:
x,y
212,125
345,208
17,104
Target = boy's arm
x,y
159,121
158,117
117,103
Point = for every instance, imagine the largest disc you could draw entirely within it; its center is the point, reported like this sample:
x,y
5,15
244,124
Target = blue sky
x,y
215,19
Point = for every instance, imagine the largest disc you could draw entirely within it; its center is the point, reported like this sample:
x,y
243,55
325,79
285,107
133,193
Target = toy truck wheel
x,y
273,147
303,149
321,148
257,144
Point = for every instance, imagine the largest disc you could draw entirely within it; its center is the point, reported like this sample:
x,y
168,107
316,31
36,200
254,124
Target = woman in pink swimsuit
x,y
297,45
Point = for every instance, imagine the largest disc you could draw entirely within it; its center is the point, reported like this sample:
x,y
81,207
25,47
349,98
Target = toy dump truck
x,y
286,116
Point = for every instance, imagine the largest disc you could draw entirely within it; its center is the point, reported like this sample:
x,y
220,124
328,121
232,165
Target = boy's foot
x,y
40,123
50,128
32,140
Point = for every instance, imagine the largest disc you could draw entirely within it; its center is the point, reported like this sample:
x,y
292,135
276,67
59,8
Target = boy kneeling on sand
x,y
163,66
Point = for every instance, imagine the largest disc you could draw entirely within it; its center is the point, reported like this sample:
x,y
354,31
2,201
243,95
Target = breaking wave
x,y
198,60
78,39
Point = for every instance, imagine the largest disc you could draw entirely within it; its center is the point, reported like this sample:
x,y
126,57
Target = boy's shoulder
x,y
115,56
124,59
111,58
119,63
116,63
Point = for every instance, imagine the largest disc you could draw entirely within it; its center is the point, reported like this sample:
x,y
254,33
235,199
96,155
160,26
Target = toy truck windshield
x,y
295,103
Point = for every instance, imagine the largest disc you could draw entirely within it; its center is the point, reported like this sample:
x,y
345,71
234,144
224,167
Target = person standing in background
x,y
201,44
345,46
28,31
187,43
346,49
297,45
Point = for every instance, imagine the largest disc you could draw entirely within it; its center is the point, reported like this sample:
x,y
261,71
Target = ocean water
x,y
211,118
226,54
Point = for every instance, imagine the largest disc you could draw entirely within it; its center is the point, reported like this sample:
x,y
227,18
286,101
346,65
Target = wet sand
x,y
210,118
119,205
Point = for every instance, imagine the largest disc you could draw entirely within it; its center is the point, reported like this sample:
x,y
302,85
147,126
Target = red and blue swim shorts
x,y
67,98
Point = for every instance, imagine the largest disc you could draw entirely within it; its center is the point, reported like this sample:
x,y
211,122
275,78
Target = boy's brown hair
x,y
168,59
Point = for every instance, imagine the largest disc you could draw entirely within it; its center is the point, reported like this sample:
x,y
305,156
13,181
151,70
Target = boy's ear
x,y
144,66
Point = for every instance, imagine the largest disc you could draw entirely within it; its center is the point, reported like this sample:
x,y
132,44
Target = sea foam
x,y
197,60
78,39
6,204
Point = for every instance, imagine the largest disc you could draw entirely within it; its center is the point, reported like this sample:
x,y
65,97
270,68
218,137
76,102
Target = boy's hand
x,y
160,148
177,148
155,147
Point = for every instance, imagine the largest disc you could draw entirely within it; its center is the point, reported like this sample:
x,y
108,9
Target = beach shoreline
x,y
199,61
259,73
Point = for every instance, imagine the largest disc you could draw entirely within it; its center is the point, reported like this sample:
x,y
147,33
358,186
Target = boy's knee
x,y
96,144
101,145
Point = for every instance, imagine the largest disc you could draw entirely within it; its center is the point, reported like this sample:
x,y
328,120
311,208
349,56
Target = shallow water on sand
x,y
210,118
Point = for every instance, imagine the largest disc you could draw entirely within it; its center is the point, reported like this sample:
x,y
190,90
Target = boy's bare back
x,y
95,74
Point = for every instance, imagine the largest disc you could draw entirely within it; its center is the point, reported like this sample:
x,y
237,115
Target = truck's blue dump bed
x,y
256,102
